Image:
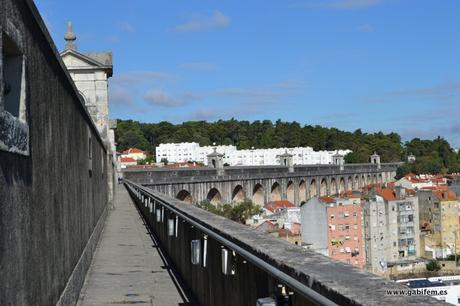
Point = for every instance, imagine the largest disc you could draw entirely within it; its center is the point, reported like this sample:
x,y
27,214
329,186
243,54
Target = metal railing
x,y
297,286
260,264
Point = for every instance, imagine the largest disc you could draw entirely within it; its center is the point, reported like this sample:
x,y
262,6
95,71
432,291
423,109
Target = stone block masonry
x,y
53,174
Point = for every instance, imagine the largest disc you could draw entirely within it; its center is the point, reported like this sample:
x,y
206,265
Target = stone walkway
x,y
128,267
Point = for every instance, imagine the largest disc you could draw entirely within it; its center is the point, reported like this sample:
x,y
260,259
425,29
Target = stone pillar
x,y
338,160
375,159
296,194
287,160
216,161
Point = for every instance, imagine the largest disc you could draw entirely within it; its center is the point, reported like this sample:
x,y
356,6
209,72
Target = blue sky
x,y
390,65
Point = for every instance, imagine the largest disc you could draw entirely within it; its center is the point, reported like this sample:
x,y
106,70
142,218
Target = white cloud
x,y
140,76
158,97
217,20
120,96
127,27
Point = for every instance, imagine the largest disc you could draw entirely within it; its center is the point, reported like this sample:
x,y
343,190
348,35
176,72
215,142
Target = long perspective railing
x,y
226,263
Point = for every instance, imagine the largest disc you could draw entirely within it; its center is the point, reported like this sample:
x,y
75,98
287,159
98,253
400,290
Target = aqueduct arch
x,y
238,194
185,196
258,195
214,196
276,192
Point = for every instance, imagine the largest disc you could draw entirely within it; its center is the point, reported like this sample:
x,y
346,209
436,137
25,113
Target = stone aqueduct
x,y
261,184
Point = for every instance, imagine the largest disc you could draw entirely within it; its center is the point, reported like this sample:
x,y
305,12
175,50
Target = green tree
x,y
433,265
239,212
433,156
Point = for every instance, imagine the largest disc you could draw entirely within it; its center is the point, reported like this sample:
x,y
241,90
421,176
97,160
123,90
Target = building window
x,y
13,72
13,114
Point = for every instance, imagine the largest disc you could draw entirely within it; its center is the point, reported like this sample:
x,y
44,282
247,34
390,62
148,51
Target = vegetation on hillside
x,y
433,156
239,212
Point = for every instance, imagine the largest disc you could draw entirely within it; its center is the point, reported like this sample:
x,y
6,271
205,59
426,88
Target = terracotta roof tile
x,y
127,160
132,150
277,205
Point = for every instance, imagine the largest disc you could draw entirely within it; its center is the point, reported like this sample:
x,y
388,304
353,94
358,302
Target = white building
x,y
191,151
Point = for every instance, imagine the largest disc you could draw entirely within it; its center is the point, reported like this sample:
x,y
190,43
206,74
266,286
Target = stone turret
x,y
216,161
287,160
411,158
375,159
338,159
70,37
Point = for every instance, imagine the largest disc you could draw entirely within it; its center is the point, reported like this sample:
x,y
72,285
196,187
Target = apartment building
x,y
391,219
439,222
192,151
345,230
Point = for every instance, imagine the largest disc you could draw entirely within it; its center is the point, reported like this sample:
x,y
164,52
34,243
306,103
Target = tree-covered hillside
x,y
431,154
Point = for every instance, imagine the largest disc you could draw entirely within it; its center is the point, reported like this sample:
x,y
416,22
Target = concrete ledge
x,y
76,280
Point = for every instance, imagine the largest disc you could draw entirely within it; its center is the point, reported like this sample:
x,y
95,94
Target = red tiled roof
x,y
276,205
387,193
133,150
127,160
283,232
447,195
327,199
182,165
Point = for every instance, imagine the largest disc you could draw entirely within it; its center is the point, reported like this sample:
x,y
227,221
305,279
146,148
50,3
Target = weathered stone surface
x,y
49,202
14,134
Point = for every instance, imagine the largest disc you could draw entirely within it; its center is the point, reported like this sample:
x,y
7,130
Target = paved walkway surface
x,y
128,267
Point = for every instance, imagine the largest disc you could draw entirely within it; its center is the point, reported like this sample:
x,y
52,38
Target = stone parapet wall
x,y
51,198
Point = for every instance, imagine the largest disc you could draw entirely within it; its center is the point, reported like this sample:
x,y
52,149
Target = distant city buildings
x,y
134,153
417,182
131,157
280,219
192,151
